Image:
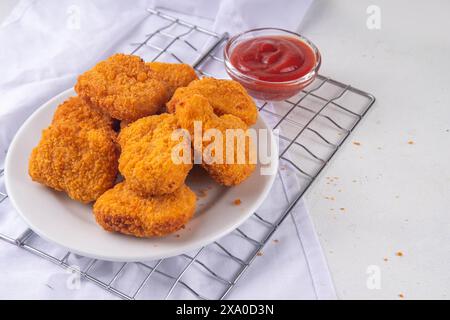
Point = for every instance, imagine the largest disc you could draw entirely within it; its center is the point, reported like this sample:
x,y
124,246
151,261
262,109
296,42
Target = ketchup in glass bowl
x,y
272,64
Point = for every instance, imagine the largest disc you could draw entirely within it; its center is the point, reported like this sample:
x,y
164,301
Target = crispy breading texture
x,y
225,96
81,162
124,87
123,124
146,160
218,164
122,210
175,75
78,112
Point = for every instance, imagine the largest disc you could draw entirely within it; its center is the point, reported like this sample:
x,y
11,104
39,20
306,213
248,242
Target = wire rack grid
x,y
312,127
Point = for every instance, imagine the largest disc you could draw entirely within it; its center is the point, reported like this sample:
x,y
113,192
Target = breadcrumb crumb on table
x,y
399,254
203,193
237,202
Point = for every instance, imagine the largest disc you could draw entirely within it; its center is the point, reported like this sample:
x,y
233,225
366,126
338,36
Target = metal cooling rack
x,y
313,126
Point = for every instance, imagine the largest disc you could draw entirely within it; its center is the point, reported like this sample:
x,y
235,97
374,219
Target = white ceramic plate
x,y
55,217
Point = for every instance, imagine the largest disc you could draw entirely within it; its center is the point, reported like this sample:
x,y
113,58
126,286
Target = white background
x,y
396,195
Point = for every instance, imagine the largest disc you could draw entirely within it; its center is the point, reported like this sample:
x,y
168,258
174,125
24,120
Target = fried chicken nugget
x,y
81,162
175,75
122,210
78,112
146,160
123,124
124,87
197,108
225,96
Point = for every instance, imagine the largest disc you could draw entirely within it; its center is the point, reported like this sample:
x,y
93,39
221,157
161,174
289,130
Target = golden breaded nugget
x,y
197,108
122,210
81,162
175,75
124,87
78,112
146,159
225,96
123,124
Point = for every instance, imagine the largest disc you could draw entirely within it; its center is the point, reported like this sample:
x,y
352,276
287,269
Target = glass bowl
x,y
269,90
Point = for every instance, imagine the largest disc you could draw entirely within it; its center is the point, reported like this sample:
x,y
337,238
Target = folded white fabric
x,y
45,45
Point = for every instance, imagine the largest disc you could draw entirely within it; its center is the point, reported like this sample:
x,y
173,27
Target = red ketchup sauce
x,y
271,60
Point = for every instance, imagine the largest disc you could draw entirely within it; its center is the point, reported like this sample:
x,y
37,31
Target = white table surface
x,y
396,195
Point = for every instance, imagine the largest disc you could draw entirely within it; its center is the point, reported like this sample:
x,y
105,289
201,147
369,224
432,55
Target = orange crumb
x,y
399,254
401,295
237,202
410,142
356,143
203,193
259,253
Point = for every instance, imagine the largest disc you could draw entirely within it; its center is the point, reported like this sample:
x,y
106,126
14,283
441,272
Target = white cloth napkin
x,y
45,45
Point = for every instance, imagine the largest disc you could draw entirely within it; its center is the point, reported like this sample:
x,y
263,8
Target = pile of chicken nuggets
x,y
111,144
